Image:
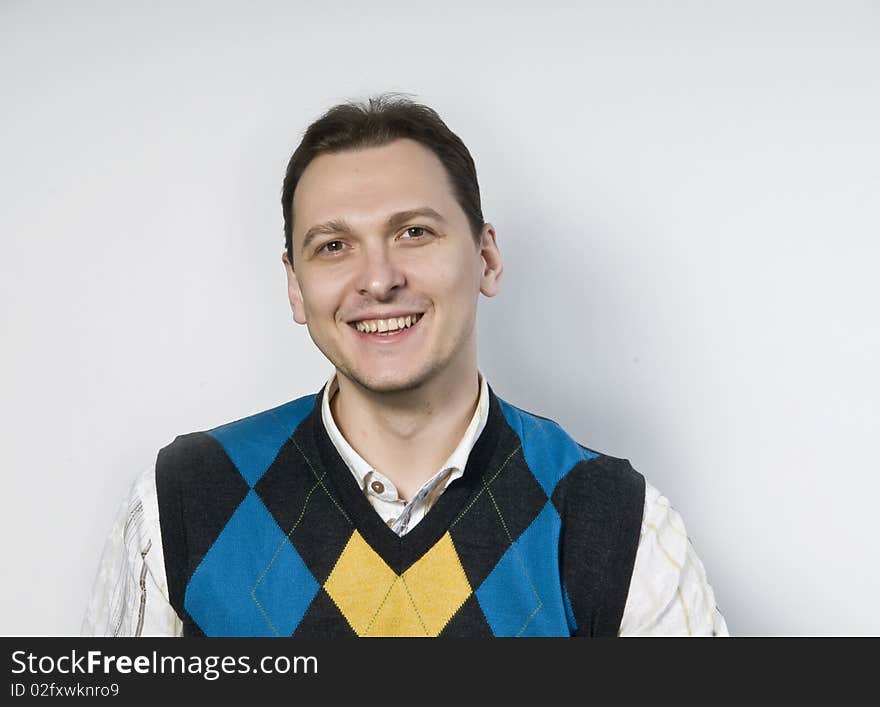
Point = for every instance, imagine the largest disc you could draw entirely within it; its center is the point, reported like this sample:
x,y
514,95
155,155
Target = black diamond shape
x,y
196,480
305,505
323,619
468,622
510,500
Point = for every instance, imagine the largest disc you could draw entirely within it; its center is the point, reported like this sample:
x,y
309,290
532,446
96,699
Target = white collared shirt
x,y
669,593
399,515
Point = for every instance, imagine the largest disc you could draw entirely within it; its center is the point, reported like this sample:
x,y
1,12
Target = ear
x,y
493,264
294,293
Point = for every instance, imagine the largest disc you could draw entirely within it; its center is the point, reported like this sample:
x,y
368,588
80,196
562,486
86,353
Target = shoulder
x,y
565,467
605,497
670,594
663,531
247,443
132,530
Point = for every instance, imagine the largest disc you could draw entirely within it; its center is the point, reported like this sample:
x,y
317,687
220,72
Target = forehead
x,y
367,184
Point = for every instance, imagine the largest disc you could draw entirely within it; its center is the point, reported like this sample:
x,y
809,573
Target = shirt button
x,y
377,486
390,521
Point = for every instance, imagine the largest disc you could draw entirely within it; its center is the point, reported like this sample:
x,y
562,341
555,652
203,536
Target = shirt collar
x,y
456,461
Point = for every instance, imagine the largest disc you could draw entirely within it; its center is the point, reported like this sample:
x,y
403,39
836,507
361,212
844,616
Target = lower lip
x,y
394,337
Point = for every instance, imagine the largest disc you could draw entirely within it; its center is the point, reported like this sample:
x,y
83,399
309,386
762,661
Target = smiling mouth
x,y
384,329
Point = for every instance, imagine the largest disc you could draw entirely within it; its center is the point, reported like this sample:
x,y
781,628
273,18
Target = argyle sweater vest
x,y
265,532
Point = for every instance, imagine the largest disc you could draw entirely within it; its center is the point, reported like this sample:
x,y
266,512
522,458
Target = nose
x,y
379,275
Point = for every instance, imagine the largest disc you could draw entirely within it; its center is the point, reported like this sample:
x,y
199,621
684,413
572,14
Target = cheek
x,y
318,298
455,276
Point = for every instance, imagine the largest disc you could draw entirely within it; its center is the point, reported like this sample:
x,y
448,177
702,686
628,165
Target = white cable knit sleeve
x,y
129,594
669,593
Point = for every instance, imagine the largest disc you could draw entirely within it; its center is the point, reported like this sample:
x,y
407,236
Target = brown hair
x,y
376,122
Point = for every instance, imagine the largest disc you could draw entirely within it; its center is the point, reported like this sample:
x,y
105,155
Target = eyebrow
x,y
339,225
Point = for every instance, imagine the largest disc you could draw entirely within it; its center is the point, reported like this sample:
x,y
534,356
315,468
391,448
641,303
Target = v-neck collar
x,y
399,552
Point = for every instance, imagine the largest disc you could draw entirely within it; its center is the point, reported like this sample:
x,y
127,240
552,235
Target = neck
x,y
386,428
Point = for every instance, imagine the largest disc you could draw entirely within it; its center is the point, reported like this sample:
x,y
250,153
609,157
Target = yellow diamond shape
x,y
359,583
378,602
438,585
396,615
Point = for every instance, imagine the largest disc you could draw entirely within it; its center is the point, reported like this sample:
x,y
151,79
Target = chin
x,y
390,382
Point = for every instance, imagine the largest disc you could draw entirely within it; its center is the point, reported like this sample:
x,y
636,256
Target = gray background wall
x,y
686,196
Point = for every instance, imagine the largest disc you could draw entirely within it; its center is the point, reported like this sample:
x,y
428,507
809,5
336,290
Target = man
x,y
404,498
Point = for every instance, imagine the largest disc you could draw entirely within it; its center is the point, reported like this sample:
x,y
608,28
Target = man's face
x,y
373,266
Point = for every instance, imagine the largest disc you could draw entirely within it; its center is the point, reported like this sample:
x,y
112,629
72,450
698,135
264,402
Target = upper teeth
x,y
371,325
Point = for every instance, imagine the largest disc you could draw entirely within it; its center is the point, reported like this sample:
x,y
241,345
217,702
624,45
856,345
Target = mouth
x,y
389,334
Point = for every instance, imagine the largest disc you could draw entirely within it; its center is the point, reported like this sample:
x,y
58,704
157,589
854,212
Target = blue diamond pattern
x,y
547,448
252,443
252,581
522,596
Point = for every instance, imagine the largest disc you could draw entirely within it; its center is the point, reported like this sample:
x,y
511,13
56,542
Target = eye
x,y
329,250
416,228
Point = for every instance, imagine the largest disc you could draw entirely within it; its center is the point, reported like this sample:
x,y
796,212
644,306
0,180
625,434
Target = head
x,y
382,218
